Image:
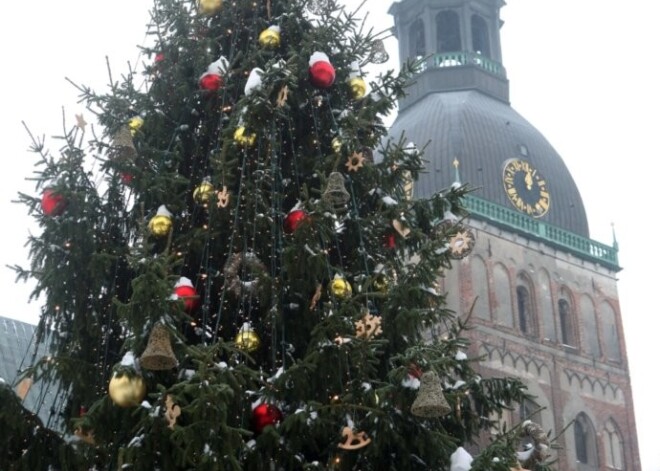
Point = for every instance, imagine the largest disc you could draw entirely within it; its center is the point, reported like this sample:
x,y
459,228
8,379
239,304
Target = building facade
x,y
541,294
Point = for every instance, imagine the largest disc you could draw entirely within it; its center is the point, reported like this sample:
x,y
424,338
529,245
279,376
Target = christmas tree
x,y
243,280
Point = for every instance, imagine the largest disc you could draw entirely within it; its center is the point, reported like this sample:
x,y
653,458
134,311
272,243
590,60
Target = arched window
x,y
448,31
610,333
480,288
480,39
585,442
566,320
502,307
546,306
416,39
613,446
590,328
525,305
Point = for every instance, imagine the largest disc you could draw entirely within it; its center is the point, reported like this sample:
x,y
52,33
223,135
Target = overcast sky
x,y
583,72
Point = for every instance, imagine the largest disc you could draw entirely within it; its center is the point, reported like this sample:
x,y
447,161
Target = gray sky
x,y
582,72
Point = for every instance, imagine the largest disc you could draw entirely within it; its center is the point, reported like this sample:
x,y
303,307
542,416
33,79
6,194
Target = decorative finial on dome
x,y
457,175
615,244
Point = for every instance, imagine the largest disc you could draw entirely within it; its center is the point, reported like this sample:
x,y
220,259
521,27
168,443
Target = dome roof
x,y
483,133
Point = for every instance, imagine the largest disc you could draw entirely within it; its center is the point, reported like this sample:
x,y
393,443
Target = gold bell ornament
x,y
243,138
209,7
335,193
127,390
122,144
247,339
270,37
340,288
161,224
203,192
430,401
159,354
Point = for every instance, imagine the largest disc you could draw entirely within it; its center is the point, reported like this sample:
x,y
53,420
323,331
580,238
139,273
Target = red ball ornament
x,y
264,415
126,178
321,72
390,241
186,291
160,57
293,220
52,204
211,82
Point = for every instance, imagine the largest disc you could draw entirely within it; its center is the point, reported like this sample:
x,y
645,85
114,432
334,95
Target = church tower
x,y
542,295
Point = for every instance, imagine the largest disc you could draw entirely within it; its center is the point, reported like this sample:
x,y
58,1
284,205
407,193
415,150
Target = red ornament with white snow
x,y
185,290
52,204
321,72
264,415
293,220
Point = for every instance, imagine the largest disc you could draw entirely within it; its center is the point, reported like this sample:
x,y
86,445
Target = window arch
x,y
613,446
590,343
479,274
610,333
502,307
586,452
545,306
416,39
480,37
448,31
526,307
566,327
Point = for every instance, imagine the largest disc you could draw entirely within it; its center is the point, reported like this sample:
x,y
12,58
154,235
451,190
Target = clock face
x,y
526,188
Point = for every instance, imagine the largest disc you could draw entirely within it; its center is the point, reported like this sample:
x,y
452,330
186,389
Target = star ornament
x,y
368,326
80,121
355,162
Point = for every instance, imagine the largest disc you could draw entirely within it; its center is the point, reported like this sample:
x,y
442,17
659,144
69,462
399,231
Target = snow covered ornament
x,y
356,82
430,401
161,224
214,78
317,7
461,460
321,72
185,290
270,38
254,81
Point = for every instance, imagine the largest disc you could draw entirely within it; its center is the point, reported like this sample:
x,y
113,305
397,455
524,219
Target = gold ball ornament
x,y
209,7
381,283
270,38
336,145
203,192
242,138
127,391
358,87
160,225
135,124
340,288
247,339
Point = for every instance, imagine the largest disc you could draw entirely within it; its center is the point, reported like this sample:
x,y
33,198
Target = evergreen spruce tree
x,y
233,273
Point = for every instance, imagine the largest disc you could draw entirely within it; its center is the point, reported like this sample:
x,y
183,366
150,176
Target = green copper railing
x,y
457,59
573,243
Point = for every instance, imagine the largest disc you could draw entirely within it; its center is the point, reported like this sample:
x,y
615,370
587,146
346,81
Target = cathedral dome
x,y
483,134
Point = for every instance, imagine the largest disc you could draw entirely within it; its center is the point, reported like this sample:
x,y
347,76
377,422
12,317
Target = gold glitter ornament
x,y
270,37
126,390
358,87
203,192
161,224
381,283
135,124
209,7
247,339
340,288
242,138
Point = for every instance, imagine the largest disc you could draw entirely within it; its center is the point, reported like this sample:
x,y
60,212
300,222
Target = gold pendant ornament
x,y
340,288
126,390
203,192
358,87
270,37
161,224
247,339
